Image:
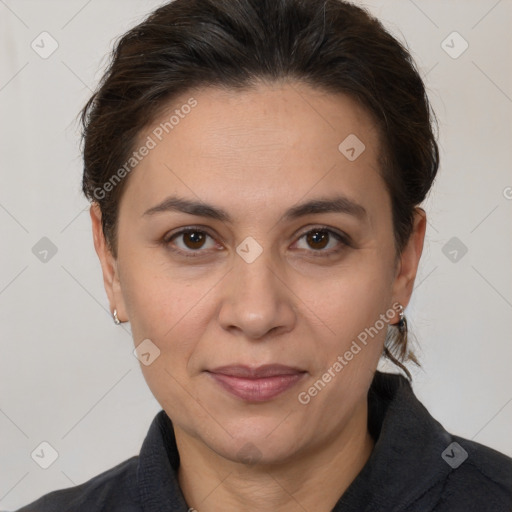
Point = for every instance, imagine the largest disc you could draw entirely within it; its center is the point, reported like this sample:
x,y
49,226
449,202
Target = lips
x,y
256,384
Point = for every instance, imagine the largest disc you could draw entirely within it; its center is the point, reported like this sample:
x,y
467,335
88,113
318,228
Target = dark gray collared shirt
x,y
416,466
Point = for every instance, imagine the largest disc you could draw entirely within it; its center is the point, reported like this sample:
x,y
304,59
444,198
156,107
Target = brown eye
x,y
317,239
323,242
194,239
190,242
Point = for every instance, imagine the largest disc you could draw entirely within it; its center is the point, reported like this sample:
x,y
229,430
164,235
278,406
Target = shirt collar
x,y
157,471
406,460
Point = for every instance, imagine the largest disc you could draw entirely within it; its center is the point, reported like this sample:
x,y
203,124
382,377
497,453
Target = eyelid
x,y
179,231
319,227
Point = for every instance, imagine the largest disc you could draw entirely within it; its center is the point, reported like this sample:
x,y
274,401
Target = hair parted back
x,y
331,45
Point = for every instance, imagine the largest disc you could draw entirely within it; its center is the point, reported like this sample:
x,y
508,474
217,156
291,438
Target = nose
x,y
256,300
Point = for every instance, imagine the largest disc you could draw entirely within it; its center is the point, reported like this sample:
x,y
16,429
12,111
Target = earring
x,y
402,322
116,320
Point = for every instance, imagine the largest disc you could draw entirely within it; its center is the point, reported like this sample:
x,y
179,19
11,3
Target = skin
x,y
256,153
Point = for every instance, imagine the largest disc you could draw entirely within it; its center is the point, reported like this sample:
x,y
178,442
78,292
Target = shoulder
x,y
423,466
113,490
480,477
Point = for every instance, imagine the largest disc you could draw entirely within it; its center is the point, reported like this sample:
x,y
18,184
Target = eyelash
x,y
342,238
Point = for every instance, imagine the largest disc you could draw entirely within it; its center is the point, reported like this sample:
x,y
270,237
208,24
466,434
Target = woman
x,y
255,169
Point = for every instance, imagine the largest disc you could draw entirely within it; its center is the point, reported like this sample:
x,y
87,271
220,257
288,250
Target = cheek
x,y
162,307
356,307
352,297
171,313
157,295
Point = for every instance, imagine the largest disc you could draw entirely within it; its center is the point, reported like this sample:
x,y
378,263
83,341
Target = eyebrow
x,y
337,204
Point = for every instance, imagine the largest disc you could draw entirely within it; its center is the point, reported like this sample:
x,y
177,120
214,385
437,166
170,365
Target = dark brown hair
x,y
330,44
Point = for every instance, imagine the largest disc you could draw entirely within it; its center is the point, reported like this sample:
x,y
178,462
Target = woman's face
x,y
267,319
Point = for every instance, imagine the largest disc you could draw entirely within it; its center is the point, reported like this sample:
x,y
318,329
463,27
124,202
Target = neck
x,y
313,480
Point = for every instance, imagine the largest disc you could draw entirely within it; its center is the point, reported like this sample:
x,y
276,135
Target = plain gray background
x,y
67,373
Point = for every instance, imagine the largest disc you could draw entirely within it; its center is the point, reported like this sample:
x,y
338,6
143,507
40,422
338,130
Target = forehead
x,y
286,139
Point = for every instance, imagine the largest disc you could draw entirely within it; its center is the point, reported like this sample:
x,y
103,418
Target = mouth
x,y
256,384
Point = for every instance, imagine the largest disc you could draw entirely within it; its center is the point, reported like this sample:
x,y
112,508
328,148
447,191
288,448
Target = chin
x,y
258,440
256,452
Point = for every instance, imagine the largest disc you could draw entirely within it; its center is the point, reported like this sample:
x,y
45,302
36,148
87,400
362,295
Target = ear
x,y
409,260
108,264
